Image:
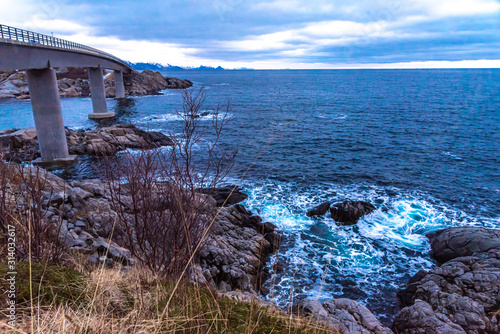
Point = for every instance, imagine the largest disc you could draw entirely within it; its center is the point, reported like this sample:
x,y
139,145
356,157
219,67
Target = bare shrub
x,y
5,176
24,207
154,192
39,234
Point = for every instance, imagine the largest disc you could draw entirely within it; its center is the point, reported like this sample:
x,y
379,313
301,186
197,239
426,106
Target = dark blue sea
x,y
422,145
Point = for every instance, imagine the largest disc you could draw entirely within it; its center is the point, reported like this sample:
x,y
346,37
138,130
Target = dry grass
x,y
115,301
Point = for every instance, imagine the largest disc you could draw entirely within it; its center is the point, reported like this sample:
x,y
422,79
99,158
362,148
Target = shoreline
x,y
111,136
73,82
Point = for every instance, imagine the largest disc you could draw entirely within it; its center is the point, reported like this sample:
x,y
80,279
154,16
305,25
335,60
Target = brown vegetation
x,y
154,192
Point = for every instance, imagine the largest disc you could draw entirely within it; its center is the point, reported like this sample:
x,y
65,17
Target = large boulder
x,y
454,242
460,296
349,212
421,318
344,315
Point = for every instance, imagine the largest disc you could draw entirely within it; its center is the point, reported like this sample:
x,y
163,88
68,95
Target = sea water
x,y
423,146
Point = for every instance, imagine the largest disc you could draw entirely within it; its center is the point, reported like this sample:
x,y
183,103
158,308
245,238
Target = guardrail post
x,y
47,112
98,95
119,86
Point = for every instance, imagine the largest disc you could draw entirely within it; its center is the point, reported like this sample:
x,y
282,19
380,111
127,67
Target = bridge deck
x,y
22,49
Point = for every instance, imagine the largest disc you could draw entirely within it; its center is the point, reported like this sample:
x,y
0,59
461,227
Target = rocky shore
x,y
73,82
232,258
461,294
20,145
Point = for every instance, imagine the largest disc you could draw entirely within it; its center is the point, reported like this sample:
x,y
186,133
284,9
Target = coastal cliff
x,y
73,82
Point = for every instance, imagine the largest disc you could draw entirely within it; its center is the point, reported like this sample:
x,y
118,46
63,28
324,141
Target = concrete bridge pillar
x,y
98,94
47,112
119,86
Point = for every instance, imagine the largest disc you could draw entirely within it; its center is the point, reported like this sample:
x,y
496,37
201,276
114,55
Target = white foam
x,y
454,156
376,254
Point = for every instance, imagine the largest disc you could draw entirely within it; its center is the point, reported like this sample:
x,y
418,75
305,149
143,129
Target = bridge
x,y
38,54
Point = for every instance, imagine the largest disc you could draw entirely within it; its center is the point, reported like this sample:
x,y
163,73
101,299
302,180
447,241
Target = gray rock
x,y
349,212
230,194
421,318
53,199
79,192
319,210
113,250
80,224
236,251
78,196
74,83
453,242
22,145
463,294
93,186
344,315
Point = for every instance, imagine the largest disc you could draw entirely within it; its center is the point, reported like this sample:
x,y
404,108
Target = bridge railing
x,y
25,36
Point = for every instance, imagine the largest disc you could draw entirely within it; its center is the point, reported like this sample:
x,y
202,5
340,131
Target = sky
x,y
275,34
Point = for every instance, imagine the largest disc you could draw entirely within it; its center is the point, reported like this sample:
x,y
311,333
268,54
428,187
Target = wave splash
x,y
368,262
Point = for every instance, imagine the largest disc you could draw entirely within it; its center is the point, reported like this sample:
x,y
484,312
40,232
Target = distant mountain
x,y
205,68
153,66
168,67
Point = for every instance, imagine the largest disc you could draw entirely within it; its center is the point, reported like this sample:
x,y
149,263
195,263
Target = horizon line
x,y
441,64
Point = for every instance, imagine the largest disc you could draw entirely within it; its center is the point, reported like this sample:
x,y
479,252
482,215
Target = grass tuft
x,y
105,301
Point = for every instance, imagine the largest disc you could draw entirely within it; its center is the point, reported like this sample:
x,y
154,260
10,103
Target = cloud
x,y
279,33
447,8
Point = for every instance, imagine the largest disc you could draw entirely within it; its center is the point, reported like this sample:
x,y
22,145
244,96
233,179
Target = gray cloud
x,y
338,31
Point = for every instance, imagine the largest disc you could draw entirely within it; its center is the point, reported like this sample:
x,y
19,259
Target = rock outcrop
x,y
150,83
233,256
22,145
346,316
74,83
349,212
454,242
463,294
13,85
237,249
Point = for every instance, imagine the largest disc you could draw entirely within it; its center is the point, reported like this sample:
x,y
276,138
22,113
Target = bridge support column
x,y
119,86
98,95
47,112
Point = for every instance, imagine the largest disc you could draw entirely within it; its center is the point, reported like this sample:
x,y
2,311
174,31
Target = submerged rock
x,y
319,210
463,294
349,212
344,315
